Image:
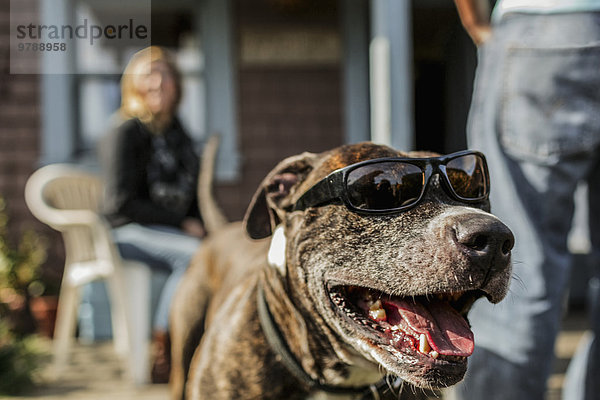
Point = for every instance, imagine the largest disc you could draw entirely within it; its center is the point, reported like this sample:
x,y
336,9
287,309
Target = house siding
x,y
20,145
285,105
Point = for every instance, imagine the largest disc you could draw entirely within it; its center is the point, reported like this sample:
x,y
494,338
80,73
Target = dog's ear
x,y
272,199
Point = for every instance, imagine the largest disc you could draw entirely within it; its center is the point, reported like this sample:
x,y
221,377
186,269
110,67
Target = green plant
x,y
20,361
20,264
20,279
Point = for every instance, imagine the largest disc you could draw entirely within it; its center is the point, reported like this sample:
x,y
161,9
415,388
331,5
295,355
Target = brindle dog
x,y
324,300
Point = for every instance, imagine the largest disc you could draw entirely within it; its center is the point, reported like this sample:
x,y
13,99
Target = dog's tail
x,y
211,213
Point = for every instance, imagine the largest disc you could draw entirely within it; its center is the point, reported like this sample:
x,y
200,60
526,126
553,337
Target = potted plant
x,y
21,360
22,287
21,354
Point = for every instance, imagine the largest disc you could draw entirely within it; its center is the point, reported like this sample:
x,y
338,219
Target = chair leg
x,y
131,317
138,275
118,313
65,326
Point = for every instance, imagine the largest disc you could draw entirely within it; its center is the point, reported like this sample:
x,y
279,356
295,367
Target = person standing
x,y
535,113
151,170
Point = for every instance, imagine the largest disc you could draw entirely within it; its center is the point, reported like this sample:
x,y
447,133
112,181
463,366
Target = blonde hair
x,y
132,103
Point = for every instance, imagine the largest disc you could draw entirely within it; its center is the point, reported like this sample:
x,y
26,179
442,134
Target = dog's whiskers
x,y
401,389
518,280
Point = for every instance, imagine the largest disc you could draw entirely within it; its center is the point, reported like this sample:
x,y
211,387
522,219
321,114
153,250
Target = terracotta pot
x,y
18,316
43,310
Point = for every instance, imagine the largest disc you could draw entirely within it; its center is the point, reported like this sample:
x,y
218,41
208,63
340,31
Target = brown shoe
x,y
161,357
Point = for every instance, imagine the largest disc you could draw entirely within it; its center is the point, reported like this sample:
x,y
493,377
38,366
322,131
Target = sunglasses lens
x,y
468,177
385,185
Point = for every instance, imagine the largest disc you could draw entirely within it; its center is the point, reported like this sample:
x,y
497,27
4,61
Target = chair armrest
x,y
59,219
64,219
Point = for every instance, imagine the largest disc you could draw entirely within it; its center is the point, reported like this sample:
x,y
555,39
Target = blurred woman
x,y
151,170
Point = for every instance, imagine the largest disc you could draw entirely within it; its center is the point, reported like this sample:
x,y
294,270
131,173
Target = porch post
x,y
391,74
221,110
57,122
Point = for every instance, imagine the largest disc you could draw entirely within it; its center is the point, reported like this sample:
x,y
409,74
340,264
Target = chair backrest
x,y
67,199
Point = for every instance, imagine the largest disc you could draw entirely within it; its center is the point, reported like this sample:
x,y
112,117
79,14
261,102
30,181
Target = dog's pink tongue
x,y
447,331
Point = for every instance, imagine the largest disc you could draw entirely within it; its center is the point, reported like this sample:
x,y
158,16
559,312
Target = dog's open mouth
x,y
432,326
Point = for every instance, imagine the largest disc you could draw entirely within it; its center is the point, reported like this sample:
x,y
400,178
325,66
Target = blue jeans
x,y
582,380
161,247
535,114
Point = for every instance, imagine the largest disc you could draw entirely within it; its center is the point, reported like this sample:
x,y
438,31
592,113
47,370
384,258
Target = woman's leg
x,y
160,247
163,248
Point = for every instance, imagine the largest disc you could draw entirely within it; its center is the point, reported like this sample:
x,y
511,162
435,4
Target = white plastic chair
x,y
67,199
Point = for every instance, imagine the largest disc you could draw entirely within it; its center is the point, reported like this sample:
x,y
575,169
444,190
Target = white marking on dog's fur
x,y
330,396
276,255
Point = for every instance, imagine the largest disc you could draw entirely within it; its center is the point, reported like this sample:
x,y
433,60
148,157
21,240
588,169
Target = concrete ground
x,y
95,372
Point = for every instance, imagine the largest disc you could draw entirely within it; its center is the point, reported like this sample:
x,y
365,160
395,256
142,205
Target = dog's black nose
x,y
483,237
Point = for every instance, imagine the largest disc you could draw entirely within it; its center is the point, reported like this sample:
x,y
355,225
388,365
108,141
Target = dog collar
x,y
280,347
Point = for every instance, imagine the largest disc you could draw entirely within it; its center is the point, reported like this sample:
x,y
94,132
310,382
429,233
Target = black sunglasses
x,y
389,185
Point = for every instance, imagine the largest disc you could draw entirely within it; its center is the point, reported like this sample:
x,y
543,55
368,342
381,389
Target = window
x,y
77,104
98,68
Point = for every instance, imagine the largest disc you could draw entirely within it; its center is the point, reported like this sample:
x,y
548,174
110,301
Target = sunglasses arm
x,y
327,189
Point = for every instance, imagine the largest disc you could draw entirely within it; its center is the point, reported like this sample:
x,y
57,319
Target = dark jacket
x,y
149,178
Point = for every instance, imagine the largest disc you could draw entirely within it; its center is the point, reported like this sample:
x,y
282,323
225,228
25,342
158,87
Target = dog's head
x,y
396,286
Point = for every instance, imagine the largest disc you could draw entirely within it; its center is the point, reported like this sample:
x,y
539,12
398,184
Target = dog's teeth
x,y
424,344
434,354
378,315
377,312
